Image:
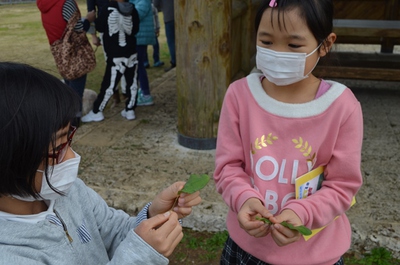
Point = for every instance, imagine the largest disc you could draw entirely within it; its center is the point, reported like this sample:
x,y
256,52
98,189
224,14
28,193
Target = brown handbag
x,y
73,54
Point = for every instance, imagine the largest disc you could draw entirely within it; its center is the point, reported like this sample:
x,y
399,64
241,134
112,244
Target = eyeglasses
x,y
59,153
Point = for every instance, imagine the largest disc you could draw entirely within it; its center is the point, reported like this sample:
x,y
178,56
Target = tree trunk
x,y
215,45
203,43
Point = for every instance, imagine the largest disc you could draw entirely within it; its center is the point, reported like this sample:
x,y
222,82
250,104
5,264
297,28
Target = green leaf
x,y
265,220
302,229
195,183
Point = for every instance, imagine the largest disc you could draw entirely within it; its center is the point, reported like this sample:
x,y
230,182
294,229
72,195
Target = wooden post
x,y
203,71
215,45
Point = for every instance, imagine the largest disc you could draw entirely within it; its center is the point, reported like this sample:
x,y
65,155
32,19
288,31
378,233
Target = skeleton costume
x,y
119,23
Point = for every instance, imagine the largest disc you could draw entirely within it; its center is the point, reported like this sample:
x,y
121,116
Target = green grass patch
x,y
377,256
23,39
199,247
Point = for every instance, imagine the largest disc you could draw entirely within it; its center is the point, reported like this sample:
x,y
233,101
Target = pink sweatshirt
x,y
257,157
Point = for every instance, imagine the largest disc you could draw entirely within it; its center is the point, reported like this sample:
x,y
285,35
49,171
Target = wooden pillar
x,y
203,71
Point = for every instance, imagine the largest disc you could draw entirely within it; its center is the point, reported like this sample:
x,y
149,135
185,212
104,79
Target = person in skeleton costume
x,y
119,23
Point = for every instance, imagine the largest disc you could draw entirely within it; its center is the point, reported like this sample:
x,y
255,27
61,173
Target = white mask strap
x,y
314,50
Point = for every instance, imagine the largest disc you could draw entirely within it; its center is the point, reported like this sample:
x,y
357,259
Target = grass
x,y
199,248
377,256
23,39
205,248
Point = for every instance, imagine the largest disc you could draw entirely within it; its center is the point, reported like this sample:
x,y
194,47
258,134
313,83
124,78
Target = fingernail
x,y
166,214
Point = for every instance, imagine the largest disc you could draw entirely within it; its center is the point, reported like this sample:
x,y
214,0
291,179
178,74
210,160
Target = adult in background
x,y
55,15
156,47
167,8
96,6
145,36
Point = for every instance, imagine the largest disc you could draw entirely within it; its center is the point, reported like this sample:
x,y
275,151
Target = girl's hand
x,y
165,200
282,235
247,214
163,232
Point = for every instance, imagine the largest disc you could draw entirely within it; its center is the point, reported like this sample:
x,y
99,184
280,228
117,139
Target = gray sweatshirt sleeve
x,y
134,250
123,244
89,232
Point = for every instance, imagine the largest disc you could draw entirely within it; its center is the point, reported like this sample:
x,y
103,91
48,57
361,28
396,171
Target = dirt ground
x,y
128,162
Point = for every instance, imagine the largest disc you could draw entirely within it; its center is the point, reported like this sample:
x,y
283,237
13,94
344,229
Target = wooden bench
x,y
365,22
382,29
357,65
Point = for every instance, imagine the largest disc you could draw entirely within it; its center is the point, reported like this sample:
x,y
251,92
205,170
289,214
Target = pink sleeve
x,y
230,177
343,176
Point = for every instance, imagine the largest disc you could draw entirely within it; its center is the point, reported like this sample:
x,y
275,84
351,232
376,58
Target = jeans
x,y
142,73
156,52
170,34
78,85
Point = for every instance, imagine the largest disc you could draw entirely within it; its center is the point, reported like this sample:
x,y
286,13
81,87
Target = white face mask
x,y
61,177
282,68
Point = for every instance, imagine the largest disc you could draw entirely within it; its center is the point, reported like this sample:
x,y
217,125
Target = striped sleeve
x,y
142,215
69,9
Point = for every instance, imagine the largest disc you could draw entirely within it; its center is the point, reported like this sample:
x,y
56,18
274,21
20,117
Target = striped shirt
x,y
69,9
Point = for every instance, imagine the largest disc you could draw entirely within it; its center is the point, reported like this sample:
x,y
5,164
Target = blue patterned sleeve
x,y
142,215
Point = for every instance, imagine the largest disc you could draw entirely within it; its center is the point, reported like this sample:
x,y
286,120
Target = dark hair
x,y
318,15
34,105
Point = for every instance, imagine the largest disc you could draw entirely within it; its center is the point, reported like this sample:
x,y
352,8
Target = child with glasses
x,y
279,124
47,214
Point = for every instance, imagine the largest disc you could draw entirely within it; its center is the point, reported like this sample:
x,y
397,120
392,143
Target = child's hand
x,y
247,214
163,232
185,203
283,235
91,16
95,40
165,200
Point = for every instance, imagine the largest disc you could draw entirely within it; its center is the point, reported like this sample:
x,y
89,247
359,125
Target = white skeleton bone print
x,y
120,24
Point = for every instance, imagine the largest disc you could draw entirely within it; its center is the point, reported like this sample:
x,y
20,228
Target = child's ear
x,y
327,44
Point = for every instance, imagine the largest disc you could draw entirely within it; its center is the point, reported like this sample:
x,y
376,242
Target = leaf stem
x,y
173,205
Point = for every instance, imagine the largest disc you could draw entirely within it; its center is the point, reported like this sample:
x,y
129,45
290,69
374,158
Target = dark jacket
x,y
118,37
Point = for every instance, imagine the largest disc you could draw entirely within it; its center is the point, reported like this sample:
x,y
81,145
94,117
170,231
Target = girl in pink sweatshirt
x,y
278,125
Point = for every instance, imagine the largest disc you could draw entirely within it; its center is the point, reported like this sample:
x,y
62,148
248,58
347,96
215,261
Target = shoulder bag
x,y
73,54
